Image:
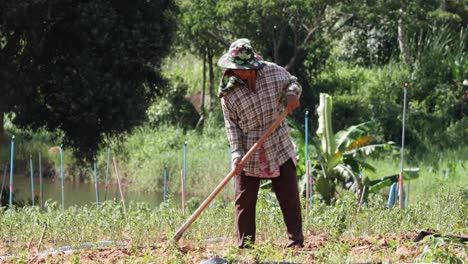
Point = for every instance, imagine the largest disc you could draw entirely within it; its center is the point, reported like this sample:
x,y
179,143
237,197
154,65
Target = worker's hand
x,y
292,102
237,166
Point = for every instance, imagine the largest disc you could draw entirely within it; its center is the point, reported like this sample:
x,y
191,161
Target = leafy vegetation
x,y
146,152
339,229
87,69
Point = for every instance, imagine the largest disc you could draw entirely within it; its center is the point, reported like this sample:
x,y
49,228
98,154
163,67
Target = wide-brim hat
x,y
241,56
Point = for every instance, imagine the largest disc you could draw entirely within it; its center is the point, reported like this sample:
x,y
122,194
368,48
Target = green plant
x,y
438,249
339,157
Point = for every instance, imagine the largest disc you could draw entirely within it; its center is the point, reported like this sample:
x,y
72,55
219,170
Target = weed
x,y
438,249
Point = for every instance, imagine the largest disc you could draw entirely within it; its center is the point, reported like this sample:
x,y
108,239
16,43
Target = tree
x,y
198,22
87,68
397,22
283,31
296,34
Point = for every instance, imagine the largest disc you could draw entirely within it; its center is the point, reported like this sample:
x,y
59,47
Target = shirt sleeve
x,y
234,133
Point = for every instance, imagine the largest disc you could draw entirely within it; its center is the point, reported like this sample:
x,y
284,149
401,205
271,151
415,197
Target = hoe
x,y
228,177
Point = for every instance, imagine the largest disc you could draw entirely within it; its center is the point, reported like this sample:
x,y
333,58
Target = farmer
x,y
253,94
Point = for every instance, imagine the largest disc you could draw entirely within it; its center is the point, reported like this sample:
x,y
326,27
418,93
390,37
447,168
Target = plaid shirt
x,y
248,114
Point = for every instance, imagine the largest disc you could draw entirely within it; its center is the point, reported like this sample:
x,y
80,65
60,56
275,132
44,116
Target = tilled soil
x,y
370,249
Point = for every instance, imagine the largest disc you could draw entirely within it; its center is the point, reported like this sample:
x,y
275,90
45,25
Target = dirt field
x,y
373,249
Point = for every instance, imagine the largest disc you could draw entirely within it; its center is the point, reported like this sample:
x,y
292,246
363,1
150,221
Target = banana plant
x,y
340,157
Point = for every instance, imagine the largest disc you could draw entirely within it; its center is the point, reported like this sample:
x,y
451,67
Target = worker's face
x,y
244,74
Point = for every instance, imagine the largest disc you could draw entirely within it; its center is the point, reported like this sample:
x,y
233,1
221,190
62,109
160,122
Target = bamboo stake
x,y
400,179
40,181
32,178
107,174
228,177
120,187
362,198
165,184
62,177
42,237
96,183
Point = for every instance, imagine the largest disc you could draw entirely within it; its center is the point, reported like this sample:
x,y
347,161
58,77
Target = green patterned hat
x,y
241,56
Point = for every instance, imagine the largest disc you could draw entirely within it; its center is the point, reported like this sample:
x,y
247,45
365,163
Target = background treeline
x,y
141,76
361,52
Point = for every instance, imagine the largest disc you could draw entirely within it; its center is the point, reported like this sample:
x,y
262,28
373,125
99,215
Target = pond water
x,y
77,193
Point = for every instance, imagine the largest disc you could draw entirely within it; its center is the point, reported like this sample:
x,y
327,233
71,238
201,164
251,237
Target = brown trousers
x,y
286,190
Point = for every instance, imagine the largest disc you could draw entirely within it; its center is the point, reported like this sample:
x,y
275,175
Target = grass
x,y
147,151
447,168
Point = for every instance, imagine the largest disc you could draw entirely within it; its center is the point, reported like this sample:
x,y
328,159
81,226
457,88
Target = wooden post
x,y
120,188
362,198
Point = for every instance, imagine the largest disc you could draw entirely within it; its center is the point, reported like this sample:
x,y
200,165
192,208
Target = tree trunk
x,y
202,103
211,77
277,42
402,41
296,60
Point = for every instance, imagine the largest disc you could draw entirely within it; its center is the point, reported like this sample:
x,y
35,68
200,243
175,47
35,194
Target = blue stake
x,y
11,183
96,185
11,169
32,178
40,180
185,167
62,177
106,185
165,185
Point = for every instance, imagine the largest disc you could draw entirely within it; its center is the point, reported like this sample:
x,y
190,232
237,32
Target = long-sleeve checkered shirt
x,y
248,114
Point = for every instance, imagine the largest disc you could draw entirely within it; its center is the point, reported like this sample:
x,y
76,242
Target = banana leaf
x,y
353,135
325,130
367,150
374,186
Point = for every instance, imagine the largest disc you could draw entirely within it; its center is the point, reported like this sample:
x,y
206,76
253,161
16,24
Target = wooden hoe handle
x,y
228,177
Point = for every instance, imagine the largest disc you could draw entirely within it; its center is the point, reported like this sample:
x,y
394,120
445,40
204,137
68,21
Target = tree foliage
x,y
372,38
359,51
87,68
296,34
